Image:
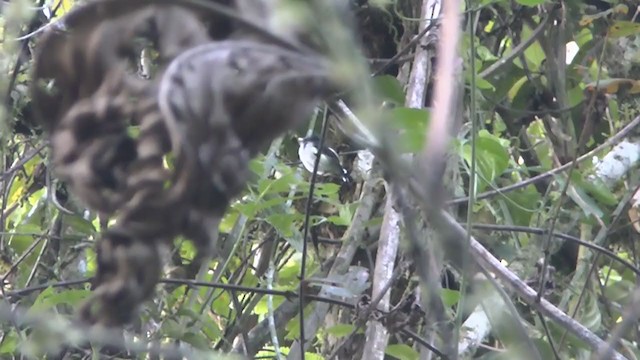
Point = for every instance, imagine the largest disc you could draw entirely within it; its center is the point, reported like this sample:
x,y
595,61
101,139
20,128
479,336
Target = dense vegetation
x,y
540,170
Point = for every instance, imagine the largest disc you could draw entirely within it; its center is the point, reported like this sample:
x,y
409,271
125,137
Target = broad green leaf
x,y
41,300
503,80
211,329
492,158
401,352
412,126
313,356
196,339
450,297
71,297
575,95
597,189
229,220
483,84
295,240
324,189
257,165
583,37
530,2
341,330
284,223
280,185
9,343
591,317
289,273
389,88
293,326
251,209
188,313
262,308
534,53
79,225
173,329
17,190
24,235
485,54
623,28
91,262
63,7
50,298
187,249
516,87
221,303
619,291
522,205
582,199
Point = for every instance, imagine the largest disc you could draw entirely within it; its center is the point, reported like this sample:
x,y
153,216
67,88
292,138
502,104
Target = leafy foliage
x,y
538,107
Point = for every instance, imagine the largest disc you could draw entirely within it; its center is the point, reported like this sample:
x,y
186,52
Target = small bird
x,y
329,160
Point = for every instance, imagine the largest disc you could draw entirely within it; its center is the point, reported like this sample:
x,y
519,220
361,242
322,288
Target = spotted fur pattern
x,y
212,107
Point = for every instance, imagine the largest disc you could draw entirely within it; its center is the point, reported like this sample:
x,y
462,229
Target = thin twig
x,y
305,232
624,132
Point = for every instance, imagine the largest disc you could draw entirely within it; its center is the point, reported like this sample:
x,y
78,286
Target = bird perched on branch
x,y
329,160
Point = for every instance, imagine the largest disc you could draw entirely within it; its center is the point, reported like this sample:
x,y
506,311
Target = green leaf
x,y
257,165
284,223
293,326
591,316
485,54
63,7
324,189
389,88
288,275
221,303
50,298
597,189
530,2
345,215
197,340
173,329
312,356
17,190
252,208
623,28
619,291
450,297
24,236
412,126
9,343
341,330
401,352
229,220
262,308
492,159
483,84
80,225
582,199
211,329
575,95
521,205
515,89
273,186
534,53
